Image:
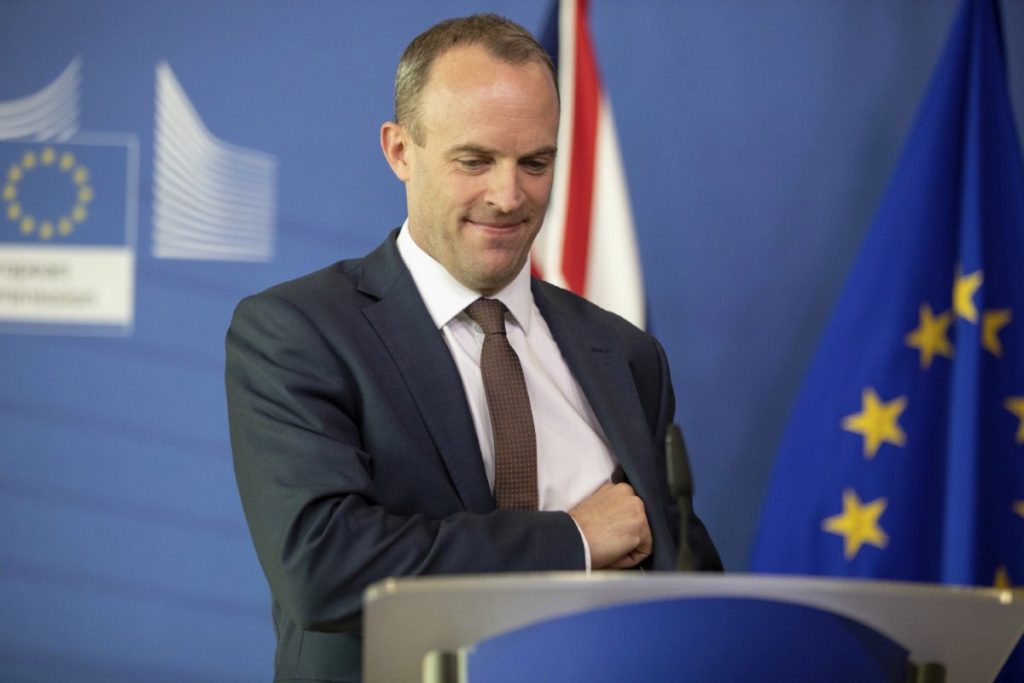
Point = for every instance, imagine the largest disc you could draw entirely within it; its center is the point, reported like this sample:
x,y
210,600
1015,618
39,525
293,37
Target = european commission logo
x,y
68,203
67,225
57,186
62,194
51,114
47,193
211,199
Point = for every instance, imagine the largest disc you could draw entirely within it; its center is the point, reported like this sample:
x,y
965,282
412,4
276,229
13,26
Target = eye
x,y
536,166
472,163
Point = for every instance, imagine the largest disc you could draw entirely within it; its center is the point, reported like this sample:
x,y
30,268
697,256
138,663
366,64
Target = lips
x,y
504,224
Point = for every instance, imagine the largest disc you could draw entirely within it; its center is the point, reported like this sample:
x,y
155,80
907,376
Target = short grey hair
x,y
503,38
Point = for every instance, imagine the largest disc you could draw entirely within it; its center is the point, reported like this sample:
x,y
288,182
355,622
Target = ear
x,y
396,143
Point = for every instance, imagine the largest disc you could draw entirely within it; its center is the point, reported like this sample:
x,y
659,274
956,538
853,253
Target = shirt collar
x,y
446,297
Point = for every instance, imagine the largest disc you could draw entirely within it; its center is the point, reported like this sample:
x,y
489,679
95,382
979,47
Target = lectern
x,y
499,628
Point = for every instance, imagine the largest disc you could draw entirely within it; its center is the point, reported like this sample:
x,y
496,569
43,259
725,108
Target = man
x,y
368,439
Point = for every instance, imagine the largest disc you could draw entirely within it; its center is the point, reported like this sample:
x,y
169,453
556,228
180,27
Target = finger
x,y
637,557
630,559
646,540
625,562
623,489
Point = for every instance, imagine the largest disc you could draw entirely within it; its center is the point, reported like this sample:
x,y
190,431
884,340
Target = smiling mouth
x,y
498,225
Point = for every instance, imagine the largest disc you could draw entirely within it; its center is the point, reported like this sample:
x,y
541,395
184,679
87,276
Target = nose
x,y
505,190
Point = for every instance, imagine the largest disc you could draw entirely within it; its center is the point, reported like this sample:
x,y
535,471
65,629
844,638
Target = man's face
x,y
478,188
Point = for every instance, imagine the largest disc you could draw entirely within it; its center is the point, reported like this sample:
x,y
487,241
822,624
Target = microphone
x,y
680,484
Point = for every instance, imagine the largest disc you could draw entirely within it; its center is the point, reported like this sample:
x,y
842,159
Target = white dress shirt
x,y
573,456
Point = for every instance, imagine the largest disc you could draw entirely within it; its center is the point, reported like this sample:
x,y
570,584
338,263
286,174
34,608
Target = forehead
x,y
469,90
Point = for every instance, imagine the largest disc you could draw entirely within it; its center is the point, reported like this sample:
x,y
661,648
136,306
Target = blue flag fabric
x,y
904,456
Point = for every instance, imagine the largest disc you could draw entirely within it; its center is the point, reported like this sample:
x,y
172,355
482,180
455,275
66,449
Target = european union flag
x,y
63,193
904,456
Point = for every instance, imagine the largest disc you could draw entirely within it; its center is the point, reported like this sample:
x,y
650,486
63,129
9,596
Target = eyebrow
x,y
549,150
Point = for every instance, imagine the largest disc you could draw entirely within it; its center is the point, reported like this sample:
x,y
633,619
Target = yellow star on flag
x,y
991,322
877,422
930,336
1002,580
858,524
1015,404
964,289
1018,507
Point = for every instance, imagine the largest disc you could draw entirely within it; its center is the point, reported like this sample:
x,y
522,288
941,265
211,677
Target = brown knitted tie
x,y
515,443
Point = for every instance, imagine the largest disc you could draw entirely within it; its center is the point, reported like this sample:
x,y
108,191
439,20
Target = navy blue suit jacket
x,y
357,459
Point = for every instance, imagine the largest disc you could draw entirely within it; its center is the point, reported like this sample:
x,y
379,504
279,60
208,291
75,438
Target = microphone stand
x,y
680,483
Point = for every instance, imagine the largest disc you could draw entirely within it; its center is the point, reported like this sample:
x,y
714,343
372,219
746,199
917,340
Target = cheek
x,y
537,188
468,187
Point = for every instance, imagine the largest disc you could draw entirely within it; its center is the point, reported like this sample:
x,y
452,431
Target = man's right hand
x,y
615,525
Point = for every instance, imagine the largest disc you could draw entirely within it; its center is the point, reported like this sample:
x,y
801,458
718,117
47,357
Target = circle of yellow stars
x,y
878,420
46,227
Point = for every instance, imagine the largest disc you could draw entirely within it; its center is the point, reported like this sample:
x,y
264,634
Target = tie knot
x,y
489,314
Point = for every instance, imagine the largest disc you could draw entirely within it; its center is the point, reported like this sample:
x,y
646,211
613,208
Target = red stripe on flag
x,y
581,174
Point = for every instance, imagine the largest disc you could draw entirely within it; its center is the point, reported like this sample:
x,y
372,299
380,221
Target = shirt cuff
x,y
586,546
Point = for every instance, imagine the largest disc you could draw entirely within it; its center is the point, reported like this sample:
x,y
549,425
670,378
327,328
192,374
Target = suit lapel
x,y
599,366
418,348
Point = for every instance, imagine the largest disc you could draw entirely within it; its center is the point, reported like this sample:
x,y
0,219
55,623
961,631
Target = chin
x,y
493,281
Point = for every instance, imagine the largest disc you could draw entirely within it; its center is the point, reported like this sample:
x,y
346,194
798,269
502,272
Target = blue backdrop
x,y
757,138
